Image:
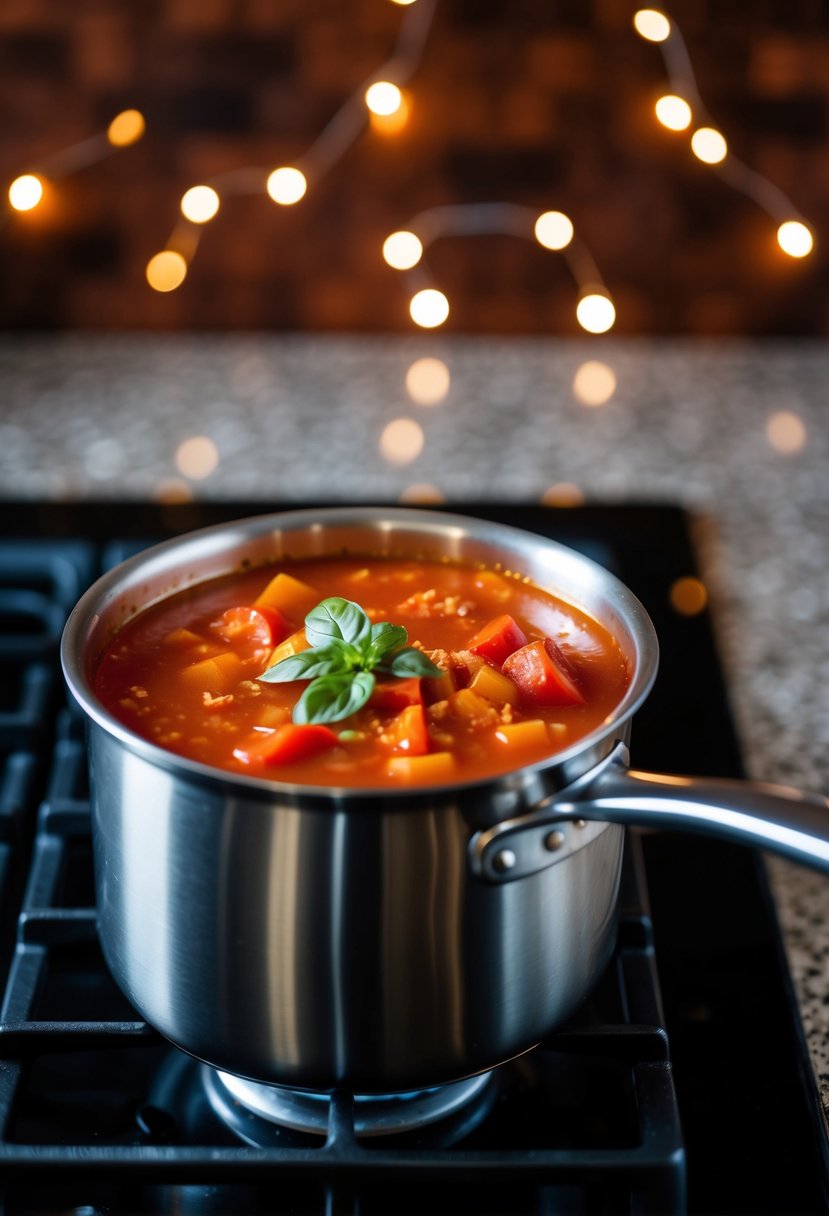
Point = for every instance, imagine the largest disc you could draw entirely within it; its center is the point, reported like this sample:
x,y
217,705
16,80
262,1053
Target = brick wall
x,y
538,102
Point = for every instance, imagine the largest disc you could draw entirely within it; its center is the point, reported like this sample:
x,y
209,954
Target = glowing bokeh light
x,y
786,432
594,383
709,146
402,250
199,204
166,270
562,494
126,128
401,441
428,381
286,185
595,313
392,124
171,490
383,97
688,596
795,239
197,457
673,112
554,230
652,24
429,308
422,491
403,3
25,192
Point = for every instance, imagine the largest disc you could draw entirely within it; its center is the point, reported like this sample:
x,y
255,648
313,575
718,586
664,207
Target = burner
x,y
374,1114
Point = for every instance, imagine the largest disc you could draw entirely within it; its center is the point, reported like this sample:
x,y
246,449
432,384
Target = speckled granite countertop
x,y
736,431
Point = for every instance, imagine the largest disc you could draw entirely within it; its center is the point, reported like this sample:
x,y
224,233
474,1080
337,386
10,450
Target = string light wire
x,y
733,171
509,219
335,138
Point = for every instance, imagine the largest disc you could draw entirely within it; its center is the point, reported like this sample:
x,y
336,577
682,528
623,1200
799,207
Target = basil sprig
x,y
346,650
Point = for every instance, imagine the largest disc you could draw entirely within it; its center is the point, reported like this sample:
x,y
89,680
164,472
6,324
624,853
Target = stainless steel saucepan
x,y
378,940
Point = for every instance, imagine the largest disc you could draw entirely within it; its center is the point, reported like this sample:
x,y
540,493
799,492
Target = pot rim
x,y
83,619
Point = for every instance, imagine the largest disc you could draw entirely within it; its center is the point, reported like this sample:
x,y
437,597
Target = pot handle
x,y
773,817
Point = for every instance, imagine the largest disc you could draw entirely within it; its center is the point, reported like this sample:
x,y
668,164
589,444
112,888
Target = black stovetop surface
x,y
588,1123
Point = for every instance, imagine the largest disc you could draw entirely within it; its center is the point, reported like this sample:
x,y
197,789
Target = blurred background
x,y
545,105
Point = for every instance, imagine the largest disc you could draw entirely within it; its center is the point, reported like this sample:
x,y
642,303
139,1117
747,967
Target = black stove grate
x,y
99,1116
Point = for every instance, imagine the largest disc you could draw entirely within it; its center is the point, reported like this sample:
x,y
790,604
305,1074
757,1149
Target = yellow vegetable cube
x,y
217,675
495,686
294,599
519,737
434,768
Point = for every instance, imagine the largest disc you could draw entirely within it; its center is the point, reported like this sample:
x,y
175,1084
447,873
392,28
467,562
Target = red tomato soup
x,y
514,674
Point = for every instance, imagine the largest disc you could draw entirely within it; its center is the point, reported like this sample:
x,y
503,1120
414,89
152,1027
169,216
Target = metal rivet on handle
x,y
579,823
503,861
554,840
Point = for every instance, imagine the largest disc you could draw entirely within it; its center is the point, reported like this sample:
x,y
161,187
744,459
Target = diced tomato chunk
x,y
394,695
543,674
286,745
261,626
408,733
498,640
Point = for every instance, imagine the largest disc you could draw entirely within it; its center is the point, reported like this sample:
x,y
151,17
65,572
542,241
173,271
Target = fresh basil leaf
x,y
331,698
308,664
385,638
412,662
340,619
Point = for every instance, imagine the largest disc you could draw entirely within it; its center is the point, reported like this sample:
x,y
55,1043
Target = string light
x,y
554,230
652,24
401,441
795,239
287,185
676,110
166,270
708,145
551,229
199,204
392,124
595,313
429,308
673,112
402,250
25,192
126,128
383,98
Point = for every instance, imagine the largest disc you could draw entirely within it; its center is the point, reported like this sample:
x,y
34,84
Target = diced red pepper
x,y
255,626
286,745
395,695
408,733
498,640
543,674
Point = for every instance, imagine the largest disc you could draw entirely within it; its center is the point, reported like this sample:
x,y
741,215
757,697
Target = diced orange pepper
x,y
295,644
293,598
498,640
183,637
434,769
217,675
408,732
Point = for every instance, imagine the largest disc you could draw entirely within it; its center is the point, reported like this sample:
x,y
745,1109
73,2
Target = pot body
x,y
320,938
313,946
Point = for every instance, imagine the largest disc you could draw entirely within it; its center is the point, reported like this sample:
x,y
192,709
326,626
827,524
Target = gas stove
x,y
681,1084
